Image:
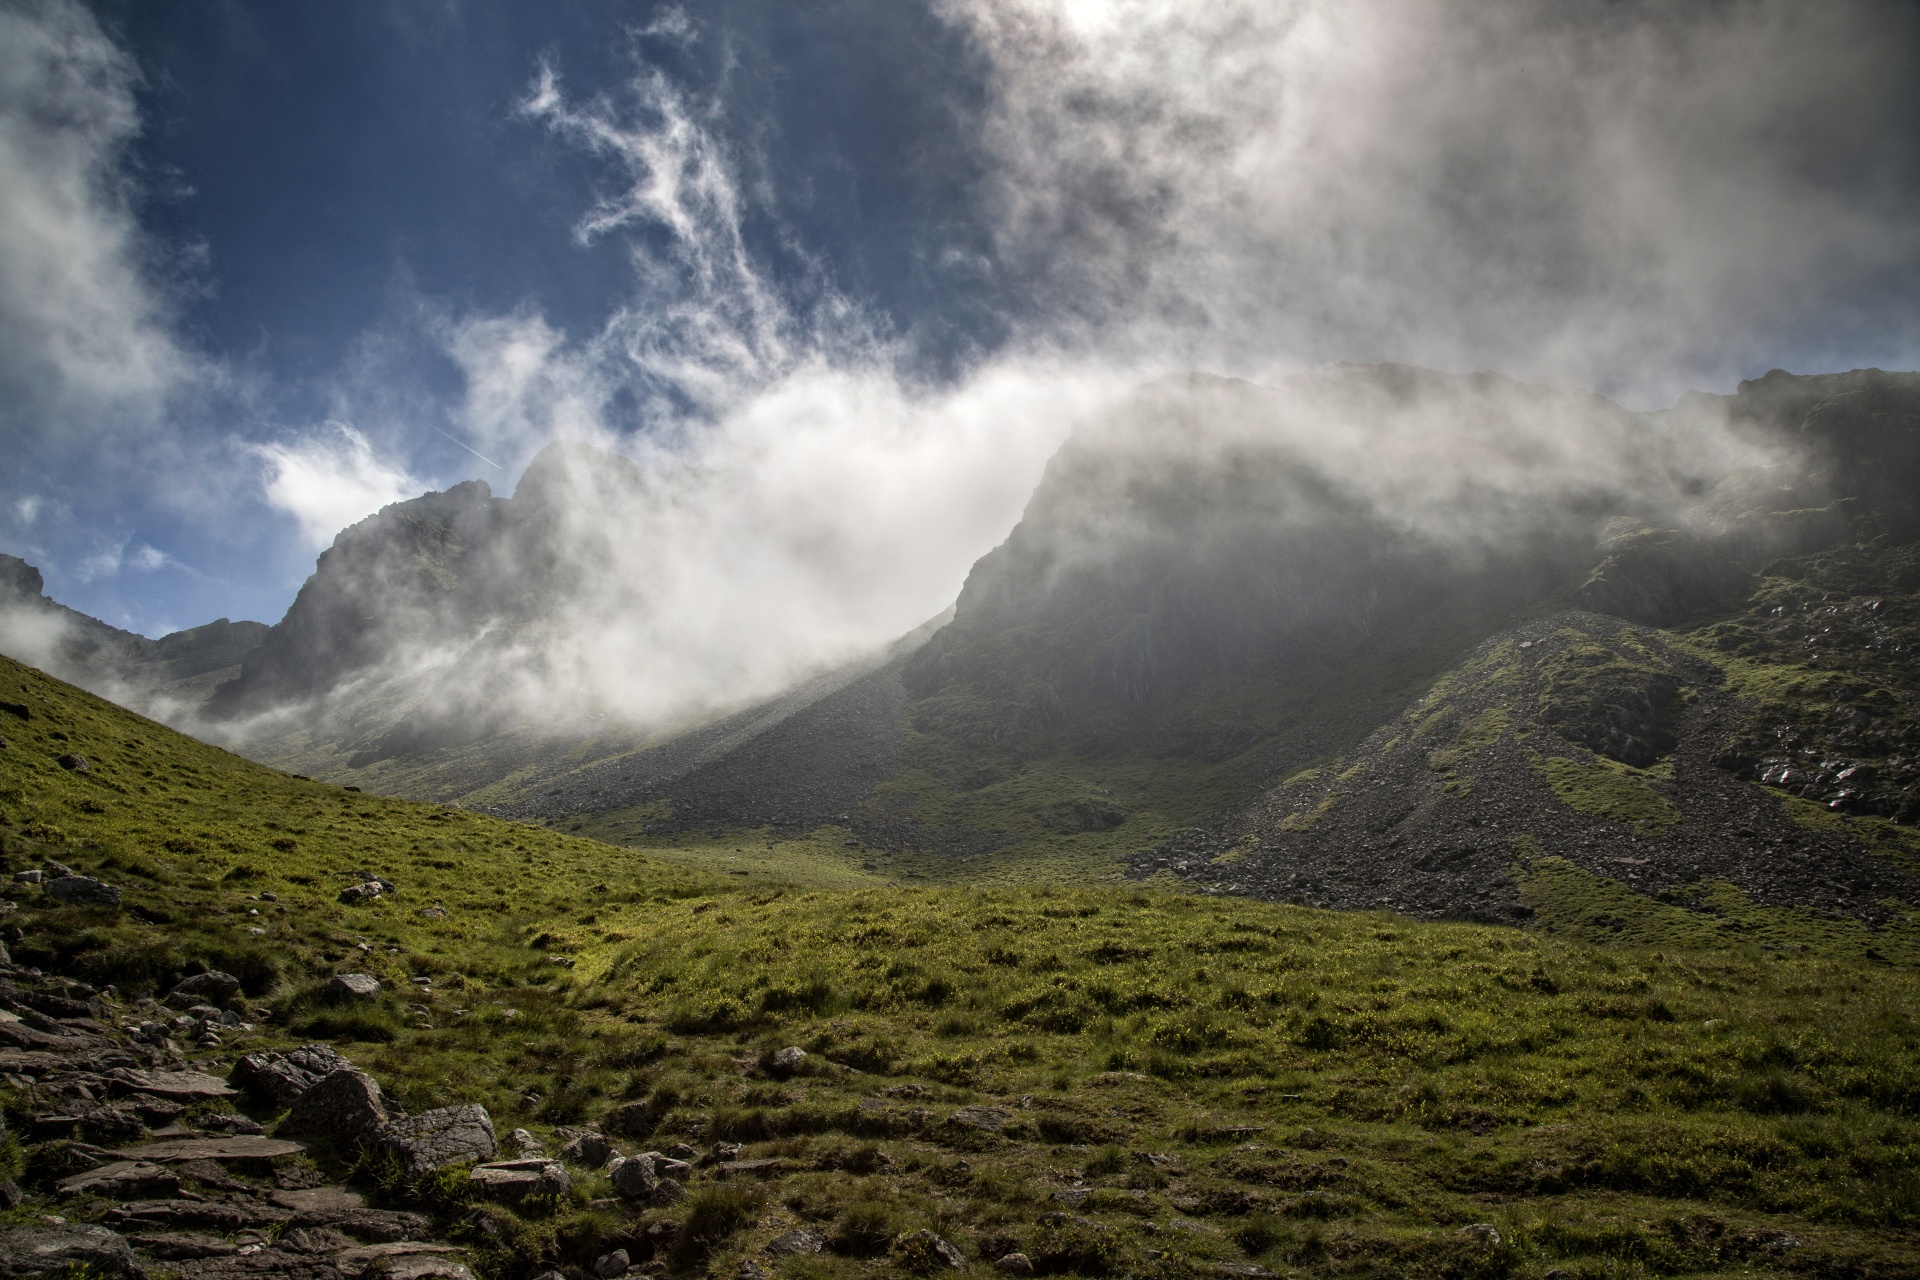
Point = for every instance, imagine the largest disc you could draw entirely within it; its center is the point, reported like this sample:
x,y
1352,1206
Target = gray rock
x,y
1485,1232
668,1167
58,1250
346,1108
123,1180
513,1180
787,1061
365,891
211,985
751,1270
74,763
281,1078
1015,1264
29,877
990,1119
607,1266
524,1143
925,1251
589,1150
634,1178
435,1139
794,1242
352,986
83,891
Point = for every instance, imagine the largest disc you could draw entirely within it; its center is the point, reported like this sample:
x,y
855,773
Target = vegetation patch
x,y
1605,788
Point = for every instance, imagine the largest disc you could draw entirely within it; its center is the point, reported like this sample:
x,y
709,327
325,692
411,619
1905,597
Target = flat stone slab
x,y
122,1180
367,1253
177,1086
239,1147
320,1200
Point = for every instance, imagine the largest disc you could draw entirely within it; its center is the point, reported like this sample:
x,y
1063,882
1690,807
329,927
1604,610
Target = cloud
x,y
1634,196
329,479
83,326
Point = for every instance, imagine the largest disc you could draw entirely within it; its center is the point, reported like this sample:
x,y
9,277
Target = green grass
x,y
1193,1080
1604,788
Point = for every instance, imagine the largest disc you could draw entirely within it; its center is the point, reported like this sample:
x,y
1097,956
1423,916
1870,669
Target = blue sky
x,y
273,264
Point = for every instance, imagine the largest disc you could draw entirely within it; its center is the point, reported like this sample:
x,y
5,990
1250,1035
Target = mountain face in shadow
x,y
1370,637
155,676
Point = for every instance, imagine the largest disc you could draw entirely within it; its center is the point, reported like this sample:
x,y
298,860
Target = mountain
x,y
177,671
1370,637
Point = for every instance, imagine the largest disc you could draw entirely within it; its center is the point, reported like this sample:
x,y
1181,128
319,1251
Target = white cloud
x,y
82,326
329,479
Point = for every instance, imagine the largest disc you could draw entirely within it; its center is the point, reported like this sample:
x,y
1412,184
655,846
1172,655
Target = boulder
x,y
1015,1264
609,1265
513,1180
63,1249
212,985
175,1086
633,1178
74,763
352,986
365,891
990,1119
589,1150
346,1108
923,1251
787,1061
83,891
435,1139
280,1078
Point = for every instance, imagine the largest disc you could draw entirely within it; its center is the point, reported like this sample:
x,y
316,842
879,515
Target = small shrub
x,y
864,1231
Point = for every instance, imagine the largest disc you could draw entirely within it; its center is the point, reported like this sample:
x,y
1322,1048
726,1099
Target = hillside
x,y
175,673
1102,1081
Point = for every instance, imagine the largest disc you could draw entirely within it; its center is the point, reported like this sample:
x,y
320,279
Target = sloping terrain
x,y
1103,1081
176,672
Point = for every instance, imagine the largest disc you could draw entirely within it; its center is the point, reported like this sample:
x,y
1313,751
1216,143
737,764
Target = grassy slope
x,y
1338,1094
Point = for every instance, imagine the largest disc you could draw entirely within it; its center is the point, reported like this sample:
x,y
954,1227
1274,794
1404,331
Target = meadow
x,y
1110,1079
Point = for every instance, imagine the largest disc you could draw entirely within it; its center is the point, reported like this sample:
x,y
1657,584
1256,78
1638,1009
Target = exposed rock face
x,y
435,1139
58,1250
346,1109
83,891
281,1078
118,664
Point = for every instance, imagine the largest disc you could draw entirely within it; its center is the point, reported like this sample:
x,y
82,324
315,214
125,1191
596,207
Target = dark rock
x,y
74,763
609,1265
122,1180
280,1079
435,1139
346,1108
183,1246
767,1168
61,1249
633,1178
83,891
589,1150
513,1180
1015,1264
211,985
924,1251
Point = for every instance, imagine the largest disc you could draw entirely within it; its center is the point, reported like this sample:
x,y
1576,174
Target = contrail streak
x,y
470,449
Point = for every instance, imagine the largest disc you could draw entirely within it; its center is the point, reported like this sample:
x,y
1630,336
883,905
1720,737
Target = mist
x,y
1633,199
